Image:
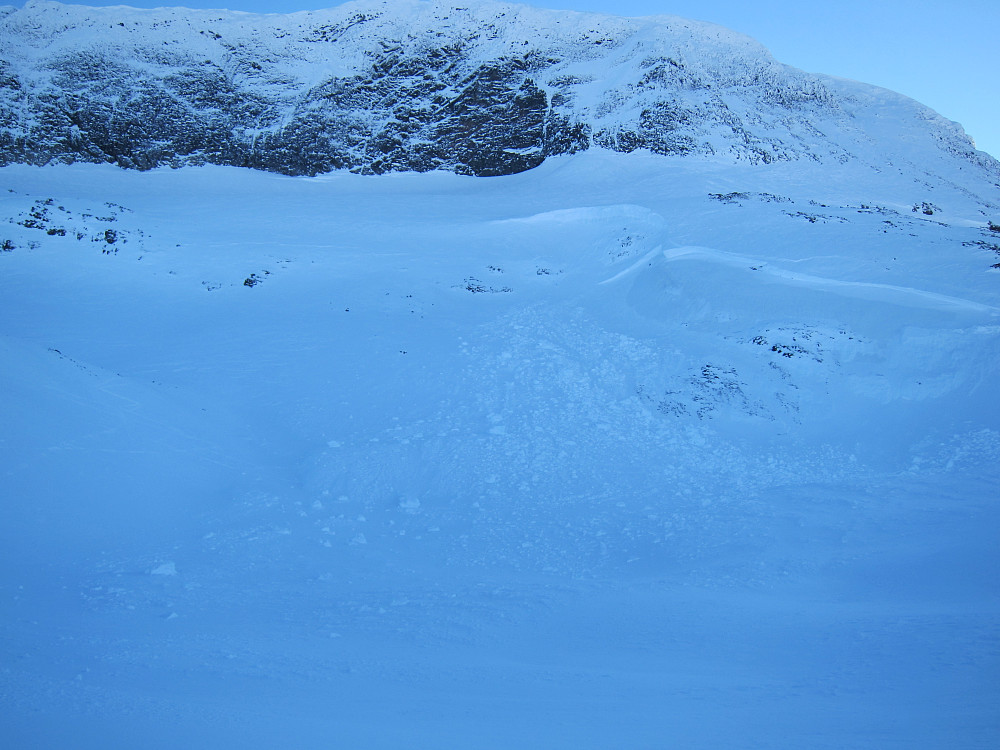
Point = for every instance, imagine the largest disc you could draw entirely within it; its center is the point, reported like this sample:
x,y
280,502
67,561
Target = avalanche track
x,y
379,462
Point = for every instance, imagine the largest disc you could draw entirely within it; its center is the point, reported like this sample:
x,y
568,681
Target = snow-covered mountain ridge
x,y
480,88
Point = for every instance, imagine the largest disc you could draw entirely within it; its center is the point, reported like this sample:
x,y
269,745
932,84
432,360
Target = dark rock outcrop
x,y
375,87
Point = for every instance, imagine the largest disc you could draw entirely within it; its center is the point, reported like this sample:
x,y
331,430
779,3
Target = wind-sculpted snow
x,y
615,452
887,293
485,88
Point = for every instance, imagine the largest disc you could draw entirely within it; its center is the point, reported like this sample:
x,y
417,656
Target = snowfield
x,y
622,451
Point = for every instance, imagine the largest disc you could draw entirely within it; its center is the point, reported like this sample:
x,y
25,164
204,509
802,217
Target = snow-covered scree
x,y
622,451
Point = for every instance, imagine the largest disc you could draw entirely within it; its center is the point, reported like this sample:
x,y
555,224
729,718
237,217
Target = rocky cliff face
x,y
373,87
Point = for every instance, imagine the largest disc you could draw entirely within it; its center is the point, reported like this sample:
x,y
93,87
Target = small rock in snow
x,y
409,504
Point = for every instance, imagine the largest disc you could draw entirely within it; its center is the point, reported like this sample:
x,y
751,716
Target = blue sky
x,y
940,53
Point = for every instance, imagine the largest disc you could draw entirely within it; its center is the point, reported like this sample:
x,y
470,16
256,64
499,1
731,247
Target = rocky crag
x,y
409,85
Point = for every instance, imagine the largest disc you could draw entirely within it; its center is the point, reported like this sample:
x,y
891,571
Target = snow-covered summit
x,y
484,88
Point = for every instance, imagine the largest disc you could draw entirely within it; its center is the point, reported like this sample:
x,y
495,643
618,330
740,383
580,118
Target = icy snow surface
x,y
621,452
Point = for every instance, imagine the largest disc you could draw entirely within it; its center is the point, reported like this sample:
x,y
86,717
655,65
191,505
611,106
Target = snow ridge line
x,y
890,293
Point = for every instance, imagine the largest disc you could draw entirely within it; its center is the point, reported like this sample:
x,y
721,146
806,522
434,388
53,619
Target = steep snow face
x,y
621,451
484,88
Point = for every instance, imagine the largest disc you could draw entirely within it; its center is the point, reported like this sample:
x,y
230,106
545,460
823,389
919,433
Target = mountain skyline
x,y
488,89
939,55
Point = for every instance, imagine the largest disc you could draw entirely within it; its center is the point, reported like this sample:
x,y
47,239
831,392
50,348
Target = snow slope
x,y
622,451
